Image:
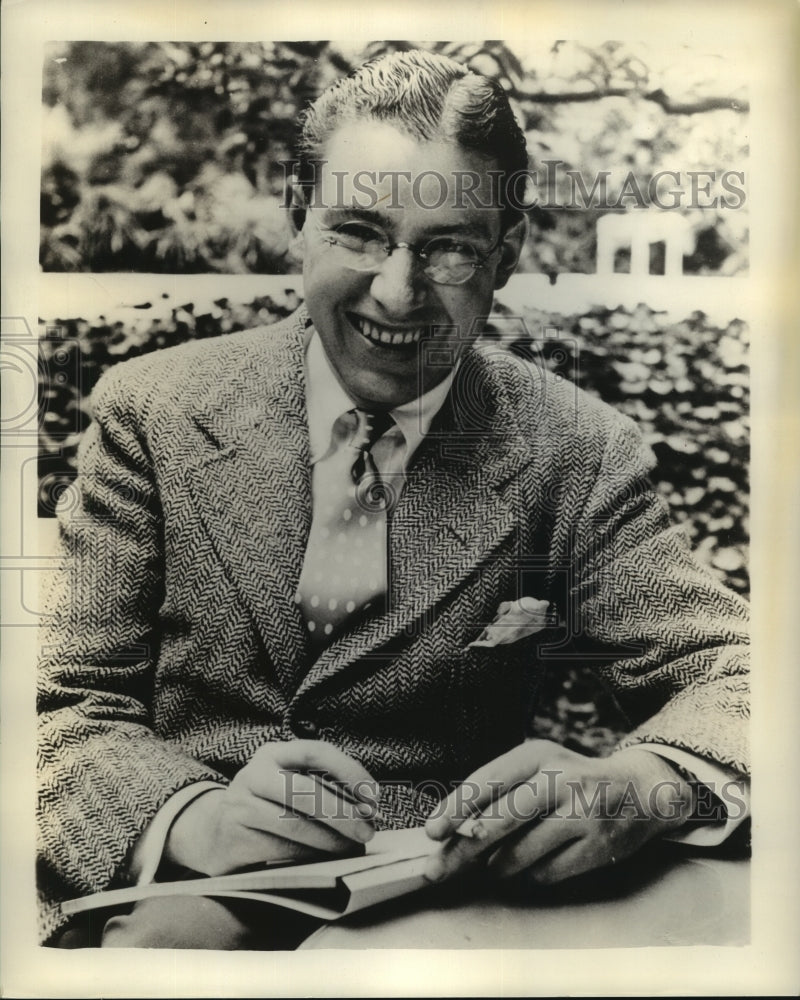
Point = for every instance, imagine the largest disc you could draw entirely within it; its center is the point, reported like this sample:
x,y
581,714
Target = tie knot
x,y
371,426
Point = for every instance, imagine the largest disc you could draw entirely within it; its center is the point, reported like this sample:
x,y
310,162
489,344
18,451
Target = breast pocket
x,y
494,691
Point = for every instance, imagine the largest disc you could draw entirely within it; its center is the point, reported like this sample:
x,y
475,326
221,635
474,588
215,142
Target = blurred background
x,y
168,157
163,171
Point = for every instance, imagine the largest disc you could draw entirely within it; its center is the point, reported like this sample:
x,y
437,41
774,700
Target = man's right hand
x,y
274,809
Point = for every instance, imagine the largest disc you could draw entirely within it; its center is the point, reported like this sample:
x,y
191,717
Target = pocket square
x,y
515,620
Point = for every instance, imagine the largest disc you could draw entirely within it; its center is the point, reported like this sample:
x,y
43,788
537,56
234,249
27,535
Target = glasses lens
x,y
450,263
364,245
365,248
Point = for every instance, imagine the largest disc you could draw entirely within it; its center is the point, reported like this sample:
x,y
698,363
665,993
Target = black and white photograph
x,y
387,423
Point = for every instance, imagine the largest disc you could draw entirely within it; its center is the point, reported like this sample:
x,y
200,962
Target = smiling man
x,y
335,547
381,281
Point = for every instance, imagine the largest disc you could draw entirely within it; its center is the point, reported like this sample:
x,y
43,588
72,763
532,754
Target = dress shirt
x,y
326,401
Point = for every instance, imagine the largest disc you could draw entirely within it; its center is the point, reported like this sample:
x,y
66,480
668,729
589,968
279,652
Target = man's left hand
x,y
550,813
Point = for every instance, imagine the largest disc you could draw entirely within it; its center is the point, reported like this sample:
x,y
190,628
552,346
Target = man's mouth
x,y
385,336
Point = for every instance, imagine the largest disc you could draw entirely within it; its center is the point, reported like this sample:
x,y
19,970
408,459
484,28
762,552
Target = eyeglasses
x,y
446,261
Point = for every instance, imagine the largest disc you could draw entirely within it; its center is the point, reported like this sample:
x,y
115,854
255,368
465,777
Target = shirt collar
x,y
326,401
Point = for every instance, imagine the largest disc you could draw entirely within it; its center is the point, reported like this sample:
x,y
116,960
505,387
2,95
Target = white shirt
x,y
326,401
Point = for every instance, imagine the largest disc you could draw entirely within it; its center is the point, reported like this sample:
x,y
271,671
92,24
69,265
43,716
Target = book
x,y
391,866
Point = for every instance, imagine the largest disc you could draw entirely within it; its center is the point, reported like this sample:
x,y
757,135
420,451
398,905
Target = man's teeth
x,y
380,335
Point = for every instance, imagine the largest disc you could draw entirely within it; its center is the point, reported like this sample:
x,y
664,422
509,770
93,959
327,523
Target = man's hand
x,y
275,809
552,813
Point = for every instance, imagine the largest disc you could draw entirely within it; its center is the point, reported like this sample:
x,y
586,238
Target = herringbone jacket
x,y
175,647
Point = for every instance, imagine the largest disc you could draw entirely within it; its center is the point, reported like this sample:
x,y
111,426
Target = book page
x,y
385,849
411,843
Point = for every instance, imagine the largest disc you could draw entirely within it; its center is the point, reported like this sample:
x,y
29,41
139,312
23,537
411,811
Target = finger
x,y
253,846
520,807
264,817
319,802
533,847
302,795
324,758
487,784
577,858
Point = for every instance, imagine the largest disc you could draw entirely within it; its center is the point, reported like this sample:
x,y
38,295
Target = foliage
x,y
169,157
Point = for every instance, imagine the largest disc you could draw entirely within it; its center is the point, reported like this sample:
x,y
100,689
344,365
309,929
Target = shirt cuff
x,y
730,787
149,847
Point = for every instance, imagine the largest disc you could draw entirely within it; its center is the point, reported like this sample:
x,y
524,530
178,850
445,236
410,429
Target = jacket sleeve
x,y
667,636
103,771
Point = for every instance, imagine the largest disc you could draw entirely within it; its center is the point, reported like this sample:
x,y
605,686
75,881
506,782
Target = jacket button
x,y
306,727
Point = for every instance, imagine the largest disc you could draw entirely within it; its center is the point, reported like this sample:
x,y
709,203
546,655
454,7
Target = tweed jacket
x,y
174,647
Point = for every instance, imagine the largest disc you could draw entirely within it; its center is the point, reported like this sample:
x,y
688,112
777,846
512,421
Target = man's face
x,y
357,312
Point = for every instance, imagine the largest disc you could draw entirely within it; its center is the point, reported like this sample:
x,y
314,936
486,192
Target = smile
x,y
383,335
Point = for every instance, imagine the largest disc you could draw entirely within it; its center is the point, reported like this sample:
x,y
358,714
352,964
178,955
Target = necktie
x,y
344,571
370,491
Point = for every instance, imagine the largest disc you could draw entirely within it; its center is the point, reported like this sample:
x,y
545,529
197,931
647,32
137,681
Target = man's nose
x,y
399,285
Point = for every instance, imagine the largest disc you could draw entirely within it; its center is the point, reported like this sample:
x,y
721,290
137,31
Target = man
x,y
290,544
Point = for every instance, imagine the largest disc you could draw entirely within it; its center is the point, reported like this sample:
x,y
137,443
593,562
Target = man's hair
x,y
429,97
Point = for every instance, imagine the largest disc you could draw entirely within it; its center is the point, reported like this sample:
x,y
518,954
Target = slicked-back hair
x,y
429,97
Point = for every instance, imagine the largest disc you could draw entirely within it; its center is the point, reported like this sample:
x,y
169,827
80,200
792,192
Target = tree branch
x,y
657,96
699,106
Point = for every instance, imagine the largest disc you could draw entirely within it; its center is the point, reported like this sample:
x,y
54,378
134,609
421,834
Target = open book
x,y
391,866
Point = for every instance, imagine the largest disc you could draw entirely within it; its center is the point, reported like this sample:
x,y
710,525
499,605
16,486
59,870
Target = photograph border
x,y
768,38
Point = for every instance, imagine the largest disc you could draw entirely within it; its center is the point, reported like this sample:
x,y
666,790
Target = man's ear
x,y
511,248
296,202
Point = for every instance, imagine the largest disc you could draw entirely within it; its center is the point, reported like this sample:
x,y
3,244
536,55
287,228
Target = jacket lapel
x,y
252,490
456,509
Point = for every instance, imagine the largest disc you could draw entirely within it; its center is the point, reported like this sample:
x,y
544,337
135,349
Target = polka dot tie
x,y
344,572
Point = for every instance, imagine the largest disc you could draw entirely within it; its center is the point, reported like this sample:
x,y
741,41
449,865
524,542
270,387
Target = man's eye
x,y
357,232
450,247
